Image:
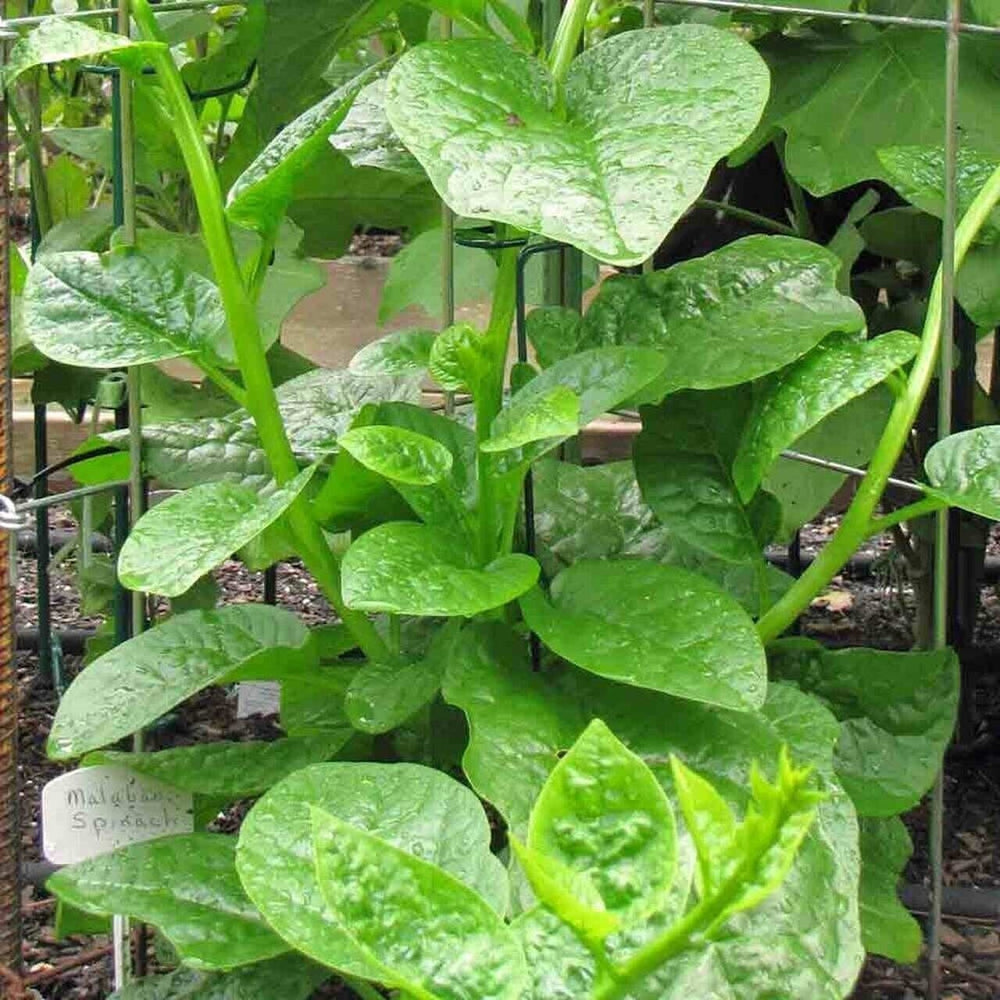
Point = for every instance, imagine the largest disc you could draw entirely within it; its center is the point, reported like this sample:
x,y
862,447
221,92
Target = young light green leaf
x,y
288,977
187,886
497,145
393,904
135,683
603,814
570,895
416,569
729,317
964,470
178,541
415,809
887,927
58,40
798,397
125,309
554,414
226,769
262,193
398,454
682,634
459,359
407,352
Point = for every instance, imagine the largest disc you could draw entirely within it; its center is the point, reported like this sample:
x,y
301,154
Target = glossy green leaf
x,y
366,138
602,813
460,359
431,934
483,120
124,310
887,927
521,722
227,64
406,352
314,705
263,192
398,454
731,316
683,461
288,977
532,417
187,886
555,332
415,569
225,769
964,470
58,40
413,808
135,683
186,536
652,626
897,713
797,398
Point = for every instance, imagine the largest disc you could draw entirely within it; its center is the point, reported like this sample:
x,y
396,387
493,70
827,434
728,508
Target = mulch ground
x,y
876,611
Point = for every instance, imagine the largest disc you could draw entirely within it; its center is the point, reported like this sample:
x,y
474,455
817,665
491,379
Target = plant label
x,y
257,698
94,810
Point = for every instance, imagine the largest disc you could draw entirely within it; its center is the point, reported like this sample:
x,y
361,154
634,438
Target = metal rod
x,y
271,584
15,23
55,499
898,20
43,595
849,470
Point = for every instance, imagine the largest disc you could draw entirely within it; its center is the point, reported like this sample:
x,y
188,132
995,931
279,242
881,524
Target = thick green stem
x,y
241,314
856,524
568,35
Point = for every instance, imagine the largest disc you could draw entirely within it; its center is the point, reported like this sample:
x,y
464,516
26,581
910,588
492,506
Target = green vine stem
x,y
910,512
857,523
241,314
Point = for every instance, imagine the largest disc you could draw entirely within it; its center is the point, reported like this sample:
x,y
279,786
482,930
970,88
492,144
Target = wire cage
x,y
563,281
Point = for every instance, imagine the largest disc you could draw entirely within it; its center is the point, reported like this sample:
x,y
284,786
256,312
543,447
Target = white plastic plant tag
x,y
93,810
257,698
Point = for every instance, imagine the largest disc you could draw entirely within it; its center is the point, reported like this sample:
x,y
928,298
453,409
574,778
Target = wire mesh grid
x,y
951,25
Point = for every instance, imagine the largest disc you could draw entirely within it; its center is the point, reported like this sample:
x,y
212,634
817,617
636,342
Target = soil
x,y
874,611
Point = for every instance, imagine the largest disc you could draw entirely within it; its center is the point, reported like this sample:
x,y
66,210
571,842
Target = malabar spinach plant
x,y
652,605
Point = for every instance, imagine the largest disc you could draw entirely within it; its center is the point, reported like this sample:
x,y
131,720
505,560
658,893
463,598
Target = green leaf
x,y
69,188
886,925
652,626
683,459
366,138
263,192
555,332
416,569
964,470
603,814
288,977
460,359
521,721
314,705
124,310
800,396
180,540
731,316
414,277
897,714
187,886
864,100
406,352
135,683
228,63
398,454
432,935
498,145
531,417
57,40
225,769
413,808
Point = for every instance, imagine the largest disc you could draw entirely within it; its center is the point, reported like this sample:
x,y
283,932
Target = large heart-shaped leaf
x,y
398,454
135,683
799,397
414,808
650,111
653,626
187,886
416,569
178,541
128,309
964,469
728,317
392,903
